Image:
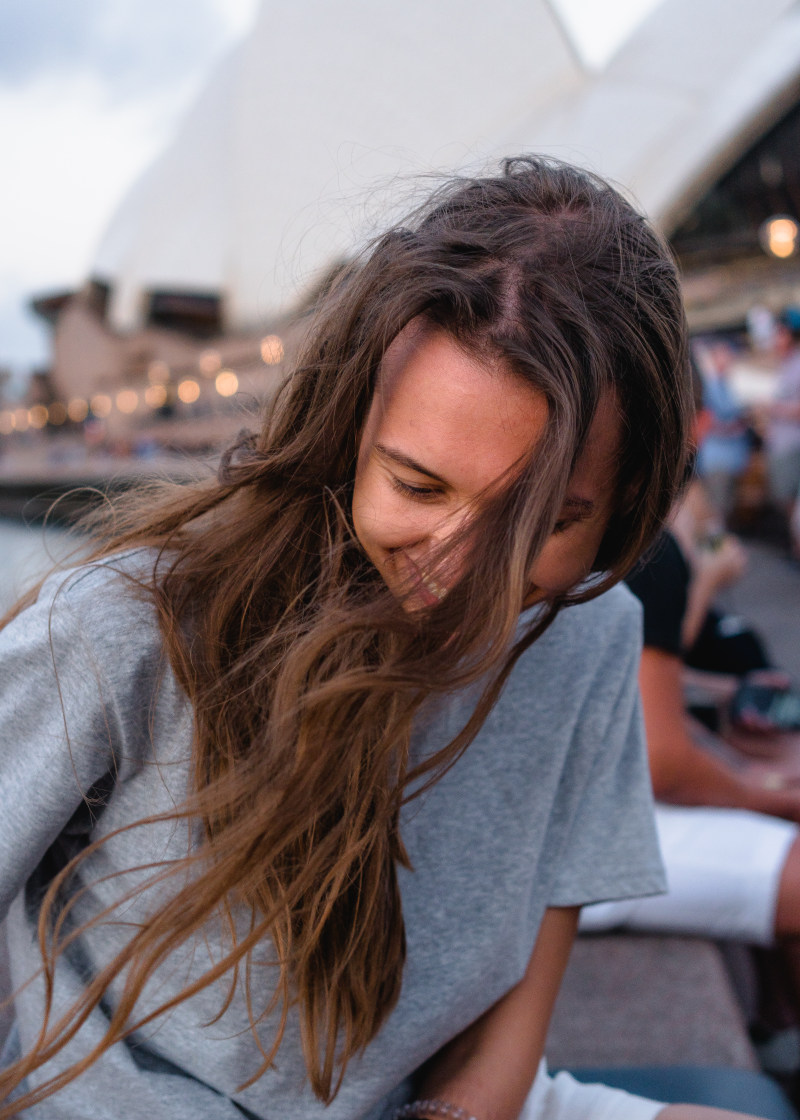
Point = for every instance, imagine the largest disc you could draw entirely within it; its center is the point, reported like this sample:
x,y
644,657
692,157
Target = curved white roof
x,y
272,173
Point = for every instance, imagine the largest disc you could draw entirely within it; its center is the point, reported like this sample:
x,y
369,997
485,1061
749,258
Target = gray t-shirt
x,y
550,806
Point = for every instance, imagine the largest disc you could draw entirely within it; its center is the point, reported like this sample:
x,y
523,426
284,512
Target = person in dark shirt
x,y
728,831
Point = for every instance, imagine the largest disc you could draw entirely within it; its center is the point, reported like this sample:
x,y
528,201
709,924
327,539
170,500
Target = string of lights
x,y
165,386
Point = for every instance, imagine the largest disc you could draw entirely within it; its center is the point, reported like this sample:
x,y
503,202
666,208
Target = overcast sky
x,y
91,90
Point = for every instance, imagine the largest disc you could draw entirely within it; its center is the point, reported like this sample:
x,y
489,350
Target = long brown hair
x,y
304,673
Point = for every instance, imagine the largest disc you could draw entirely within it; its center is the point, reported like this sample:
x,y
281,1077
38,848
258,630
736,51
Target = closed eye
x,y
567,523
418,493
575,510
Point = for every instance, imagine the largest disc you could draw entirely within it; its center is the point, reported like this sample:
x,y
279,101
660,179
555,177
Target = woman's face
x,y
442,429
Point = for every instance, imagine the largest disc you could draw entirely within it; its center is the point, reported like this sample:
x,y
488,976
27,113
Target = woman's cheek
x,y
563,562
382,515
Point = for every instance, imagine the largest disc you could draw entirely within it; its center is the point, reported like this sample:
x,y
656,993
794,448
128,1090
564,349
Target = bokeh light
x,y
188,390
272,350
226,383
101,405
77,410
127,401
37,416
779,236
155,396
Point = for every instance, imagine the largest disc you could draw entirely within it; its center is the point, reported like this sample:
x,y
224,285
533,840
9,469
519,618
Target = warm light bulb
x,y
779,236
226,383
272,350
7,422
77,410
101,405
21,420
37,416
155,396
188,391
127,401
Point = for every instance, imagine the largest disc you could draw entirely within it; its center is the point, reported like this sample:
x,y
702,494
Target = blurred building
x,y
740,244
271,177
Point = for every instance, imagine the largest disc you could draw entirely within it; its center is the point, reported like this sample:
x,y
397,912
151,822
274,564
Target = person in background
x,y
782,416
724,449
729,835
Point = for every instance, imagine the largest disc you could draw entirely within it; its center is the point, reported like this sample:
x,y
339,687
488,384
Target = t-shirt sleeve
x,y
603,841
660,583
65,725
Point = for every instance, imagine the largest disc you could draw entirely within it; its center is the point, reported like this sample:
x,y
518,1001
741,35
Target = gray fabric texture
x,y
550,806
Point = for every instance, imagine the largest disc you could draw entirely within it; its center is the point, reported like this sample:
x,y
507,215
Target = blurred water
x,y
27,553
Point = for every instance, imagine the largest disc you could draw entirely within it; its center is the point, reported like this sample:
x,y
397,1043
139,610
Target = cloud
x,y
131,49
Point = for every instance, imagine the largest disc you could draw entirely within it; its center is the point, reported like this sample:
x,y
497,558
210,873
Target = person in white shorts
x,y
729,837
561,1097
731,875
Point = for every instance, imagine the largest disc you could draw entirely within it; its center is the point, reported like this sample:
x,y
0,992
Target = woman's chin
x,y
417,599
414,590
533,596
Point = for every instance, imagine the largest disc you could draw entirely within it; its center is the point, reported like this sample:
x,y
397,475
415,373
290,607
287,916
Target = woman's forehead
x,y
464,419
471,420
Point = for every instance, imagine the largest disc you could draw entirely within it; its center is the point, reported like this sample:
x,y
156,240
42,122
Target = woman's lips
x,y
428,589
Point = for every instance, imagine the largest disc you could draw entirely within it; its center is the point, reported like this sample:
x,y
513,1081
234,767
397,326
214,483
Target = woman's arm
x,y
489,1068
712,569
682,772
79,671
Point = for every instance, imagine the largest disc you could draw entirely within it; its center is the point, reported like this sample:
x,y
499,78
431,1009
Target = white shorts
x,y
563,1098
723,869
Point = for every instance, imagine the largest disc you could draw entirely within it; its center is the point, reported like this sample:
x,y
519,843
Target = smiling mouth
x,y
429,590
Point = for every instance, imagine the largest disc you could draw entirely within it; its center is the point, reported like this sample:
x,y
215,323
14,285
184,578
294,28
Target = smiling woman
x,y
429,458
309,799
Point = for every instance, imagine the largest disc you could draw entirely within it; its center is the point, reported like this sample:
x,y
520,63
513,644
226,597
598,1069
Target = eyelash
x,y
418,493
429,493
563,526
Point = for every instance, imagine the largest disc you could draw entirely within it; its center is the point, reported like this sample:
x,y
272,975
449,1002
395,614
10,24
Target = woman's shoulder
x,y
102,609
81,581
615,607
86,663
615,616
598,638
118,583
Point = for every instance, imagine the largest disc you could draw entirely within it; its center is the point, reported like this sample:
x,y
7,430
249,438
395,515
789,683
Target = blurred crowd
x,y
722,719
752,434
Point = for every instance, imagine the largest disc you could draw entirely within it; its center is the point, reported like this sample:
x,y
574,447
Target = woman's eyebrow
x,y
574,504
406,461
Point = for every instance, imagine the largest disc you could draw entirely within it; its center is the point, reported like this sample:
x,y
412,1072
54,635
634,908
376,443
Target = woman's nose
x,y
439,528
